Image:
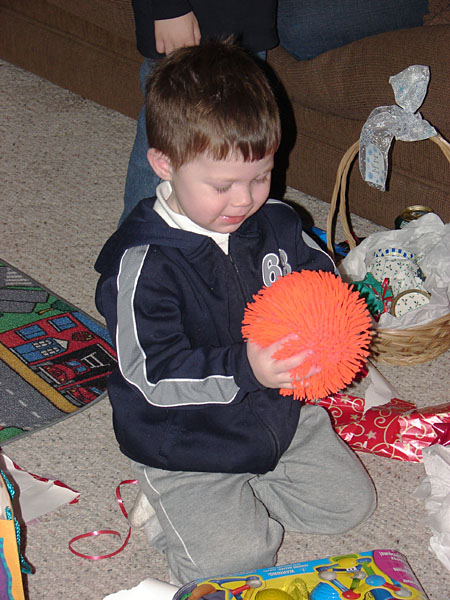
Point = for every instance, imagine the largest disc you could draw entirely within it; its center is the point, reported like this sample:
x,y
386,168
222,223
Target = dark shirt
x,y
252,22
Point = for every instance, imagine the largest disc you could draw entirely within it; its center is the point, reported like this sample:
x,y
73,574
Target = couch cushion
x,y
80,21
115,16
76,51
438,13
351,81
308,28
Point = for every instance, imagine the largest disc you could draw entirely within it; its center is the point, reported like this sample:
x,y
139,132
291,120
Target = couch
x,y
88,47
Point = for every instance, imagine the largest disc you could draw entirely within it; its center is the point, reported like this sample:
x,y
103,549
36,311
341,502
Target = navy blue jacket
x,y
185,397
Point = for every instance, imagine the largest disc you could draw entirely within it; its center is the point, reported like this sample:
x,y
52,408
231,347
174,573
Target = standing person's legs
x,y
319,485
141,180
211,523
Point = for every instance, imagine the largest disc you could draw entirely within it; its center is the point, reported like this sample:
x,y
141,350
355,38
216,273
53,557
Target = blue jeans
x,y
307,28
141,180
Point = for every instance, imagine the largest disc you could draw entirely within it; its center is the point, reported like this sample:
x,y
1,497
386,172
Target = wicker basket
x,y
410,346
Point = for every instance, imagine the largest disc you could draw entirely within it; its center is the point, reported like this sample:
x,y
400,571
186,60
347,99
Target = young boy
x,y
226,462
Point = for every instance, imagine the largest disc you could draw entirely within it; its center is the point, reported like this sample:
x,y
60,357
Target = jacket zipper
x,y
244,291
246,297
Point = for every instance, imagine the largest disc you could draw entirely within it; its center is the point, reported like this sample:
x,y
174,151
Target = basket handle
x,y
340,189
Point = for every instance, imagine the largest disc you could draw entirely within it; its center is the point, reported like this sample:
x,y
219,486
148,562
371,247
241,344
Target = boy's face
x,y
220,195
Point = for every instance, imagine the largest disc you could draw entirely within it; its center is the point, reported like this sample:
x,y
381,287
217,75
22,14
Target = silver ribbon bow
x,y
400,120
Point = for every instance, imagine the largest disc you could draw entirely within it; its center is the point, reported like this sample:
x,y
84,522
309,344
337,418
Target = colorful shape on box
x,y
374,575
5,576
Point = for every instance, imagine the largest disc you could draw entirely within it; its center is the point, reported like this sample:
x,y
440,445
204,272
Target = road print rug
x,y
54,359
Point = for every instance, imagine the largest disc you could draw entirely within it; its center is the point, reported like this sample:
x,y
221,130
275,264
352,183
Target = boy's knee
x,y
234,552
255,551
359,509
367,504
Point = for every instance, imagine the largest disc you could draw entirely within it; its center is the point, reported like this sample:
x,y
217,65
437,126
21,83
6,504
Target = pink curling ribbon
x,y
386,295
106,531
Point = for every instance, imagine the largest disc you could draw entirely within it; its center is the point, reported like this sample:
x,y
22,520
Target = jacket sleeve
x,y
310,255
304,252
145,312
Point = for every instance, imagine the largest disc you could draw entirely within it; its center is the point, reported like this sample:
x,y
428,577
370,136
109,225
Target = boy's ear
x,y
160,163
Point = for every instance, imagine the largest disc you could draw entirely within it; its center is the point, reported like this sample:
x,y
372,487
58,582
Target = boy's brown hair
x,y
211,98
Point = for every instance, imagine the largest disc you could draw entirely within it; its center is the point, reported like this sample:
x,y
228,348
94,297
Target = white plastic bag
x,y
435,490
429,239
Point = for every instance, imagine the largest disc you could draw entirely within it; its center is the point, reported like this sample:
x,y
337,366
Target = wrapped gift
x,y
343,408
397,429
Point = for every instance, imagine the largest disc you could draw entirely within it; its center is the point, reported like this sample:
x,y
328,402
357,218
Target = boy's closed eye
x,y
222,189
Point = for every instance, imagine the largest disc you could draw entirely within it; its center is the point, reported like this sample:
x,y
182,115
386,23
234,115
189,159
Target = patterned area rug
x,y
54,359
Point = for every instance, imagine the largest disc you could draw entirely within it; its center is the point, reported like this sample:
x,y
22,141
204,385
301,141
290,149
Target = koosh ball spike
x,y
319,311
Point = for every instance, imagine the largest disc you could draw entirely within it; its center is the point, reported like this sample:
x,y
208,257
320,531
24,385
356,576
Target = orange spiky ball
x,y
326,316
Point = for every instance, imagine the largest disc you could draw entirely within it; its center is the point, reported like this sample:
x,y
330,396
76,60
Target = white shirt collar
x,y
178,221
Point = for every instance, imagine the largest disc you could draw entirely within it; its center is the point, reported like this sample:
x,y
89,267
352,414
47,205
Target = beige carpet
x,y
63,165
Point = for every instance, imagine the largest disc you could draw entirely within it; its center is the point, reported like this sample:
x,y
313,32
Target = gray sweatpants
x,y
216,523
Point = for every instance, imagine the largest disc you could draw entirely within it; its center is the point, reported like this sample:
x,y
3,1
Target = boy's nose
x,y
242,197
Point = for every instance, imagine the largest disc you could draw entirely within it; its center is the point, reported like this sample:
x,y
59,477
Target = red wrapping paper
x,y
343,408
397,430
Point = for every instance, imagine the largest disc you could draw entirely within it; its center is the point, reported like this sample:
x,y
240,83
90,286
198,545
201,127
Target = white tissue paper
x,y
429,239
379,391
149,589
435,490
37,495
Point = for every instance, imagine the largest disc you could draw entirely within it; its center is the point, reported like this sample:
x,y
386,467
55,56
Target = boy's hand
x,y
179,32
273,373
